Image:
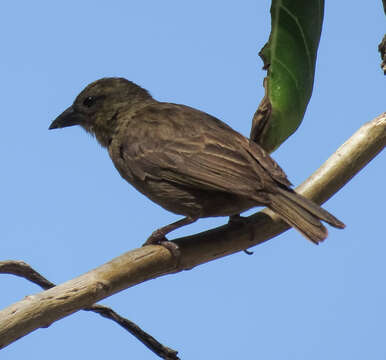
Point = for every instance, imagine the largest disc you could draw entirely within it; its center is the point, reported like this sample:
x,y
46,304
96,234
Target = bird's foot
x,y
159,238
238,220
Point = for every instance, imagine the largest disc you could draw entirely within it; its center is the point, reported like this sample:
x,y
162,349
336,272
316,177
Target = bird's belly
x,y
184,200
193,202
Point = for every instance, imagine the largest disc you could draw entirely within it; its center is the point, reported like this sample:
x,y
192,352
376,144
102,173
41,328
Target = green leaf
x,y
289,56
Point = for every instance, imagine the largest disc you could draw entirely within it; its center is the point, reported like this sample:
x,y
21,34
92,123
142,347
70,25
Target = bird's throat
x,y
104,128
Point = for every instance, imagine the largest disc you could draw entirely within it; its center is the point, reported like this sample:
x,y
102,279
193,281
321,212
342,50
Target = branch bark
x,y
22,269
149,262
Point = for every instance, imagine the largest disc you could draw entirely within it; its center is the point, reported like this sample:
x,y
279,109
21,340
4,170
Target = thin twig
x,y
22,269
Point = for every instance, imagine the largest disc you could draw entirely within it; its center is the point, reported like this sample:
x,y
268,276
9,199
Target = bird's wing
x,y
185,146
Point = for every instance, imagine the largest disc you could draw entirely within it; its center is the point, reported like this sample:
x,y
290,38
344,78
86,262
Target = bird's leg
x,y
239,220
159,236
236,219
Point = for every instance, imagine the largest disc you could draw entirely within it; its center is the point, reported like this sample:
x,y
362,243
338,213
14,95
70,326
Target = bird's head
x,y
97,107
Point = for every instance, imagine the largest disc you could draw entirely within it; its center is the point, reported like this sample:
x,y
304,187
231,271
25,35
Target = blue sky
x,y
65,209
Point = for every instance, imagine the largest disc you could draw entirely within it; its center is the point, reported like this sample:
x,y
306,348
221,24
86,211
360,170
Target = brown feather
x,y
187,161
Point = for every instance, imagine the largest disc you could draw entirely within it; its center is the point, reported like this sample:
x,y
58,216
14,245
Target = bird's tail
x,y
303,214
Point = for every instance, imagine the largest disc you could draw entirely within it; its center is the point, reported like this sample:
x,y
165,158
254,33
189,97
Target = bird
x,y
187,161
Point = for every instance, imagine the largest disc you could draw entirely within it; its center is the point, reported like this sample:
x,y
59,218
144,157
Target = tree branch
x,y
149,262
22,269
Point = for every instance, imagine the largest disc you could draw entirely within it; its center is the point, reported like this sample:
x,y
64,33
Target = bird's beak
x,y
69,117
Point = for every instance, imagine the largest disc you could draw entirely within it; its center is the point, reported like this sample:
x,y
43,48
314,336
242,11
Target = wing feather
x,y
187,147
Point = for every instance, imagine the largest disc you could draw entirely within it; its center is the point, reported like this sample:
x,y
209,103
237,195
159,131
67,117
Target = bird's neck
x,y
106,126
105,129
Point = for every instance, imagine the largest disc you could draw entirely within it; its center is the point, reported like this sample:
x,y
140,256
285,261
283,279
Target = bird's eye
x,y
89,101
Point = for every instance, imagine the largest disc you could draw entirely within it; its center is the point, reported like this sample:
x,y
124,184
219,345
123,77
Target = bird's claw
x,y
238,220
158,238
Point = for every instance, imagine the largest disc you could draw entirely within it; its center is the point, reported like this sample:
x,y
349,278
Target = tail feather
x,y
303,214
313,208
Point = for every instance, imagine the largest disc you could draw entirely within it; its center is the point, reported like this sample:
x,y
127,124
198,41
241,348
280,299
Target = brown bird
x,y
187,161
